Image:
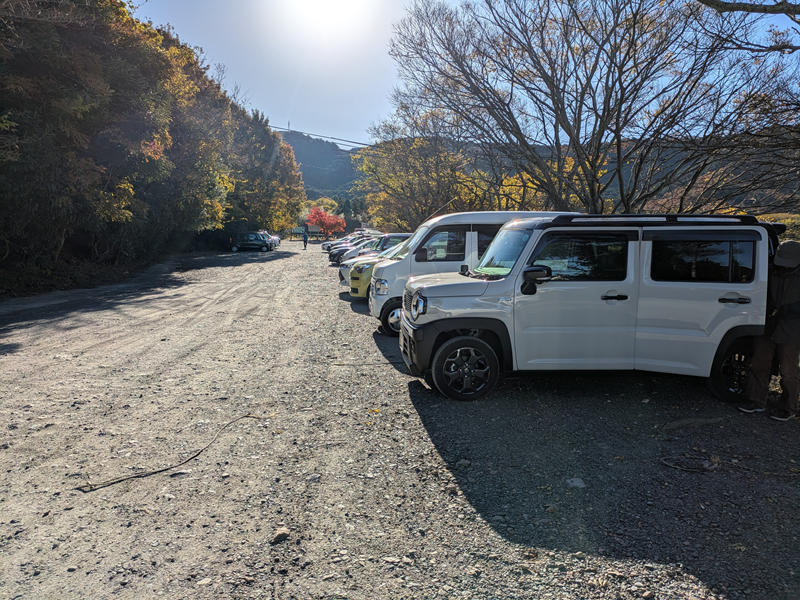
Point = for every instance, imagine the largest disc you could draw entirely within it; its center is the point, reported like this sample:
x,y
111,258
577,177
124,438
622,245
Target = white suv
x,y
667,293
441,244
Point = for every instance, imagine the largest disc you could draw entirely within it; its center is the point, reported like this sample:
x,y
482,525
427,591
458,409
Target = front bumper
x,y
416,346
376,303
359,286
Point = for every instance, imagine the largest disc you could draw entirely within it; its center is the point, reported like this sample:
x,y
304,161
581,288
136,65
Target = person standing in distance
x,y
305,240
781,338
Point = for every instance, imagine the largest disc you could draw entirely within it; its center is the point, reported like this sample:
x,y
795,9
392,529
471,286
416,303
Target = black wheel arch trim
x,y
736,333
390,301
425,337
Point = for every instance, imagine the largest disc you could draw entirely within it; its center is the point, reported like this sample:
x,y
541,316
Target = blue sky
x,y
321,65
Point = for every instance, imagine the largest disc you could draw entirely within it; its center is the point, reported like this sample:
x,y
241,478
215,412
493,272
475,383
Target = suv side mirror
x,y
421,255
533,275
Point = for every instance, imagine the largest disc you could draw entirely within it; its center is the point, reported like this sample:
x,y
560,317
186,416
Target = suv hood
x,y
446,285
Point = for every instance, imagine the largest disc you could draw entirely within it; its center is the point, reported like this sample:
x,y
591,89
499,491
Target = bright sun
x,y
329,18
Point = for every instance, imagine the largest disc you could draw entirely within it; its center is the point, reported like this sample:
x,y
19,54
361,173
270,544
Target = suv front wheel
x,y
465,368
390,318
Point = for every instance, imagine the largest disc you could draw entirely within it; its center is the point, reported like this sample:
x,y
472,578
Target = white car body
x,y
639,320
389,278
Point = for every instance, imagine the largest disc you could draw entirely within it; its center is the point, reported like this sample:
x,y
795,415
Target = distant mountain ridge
x,y
327,169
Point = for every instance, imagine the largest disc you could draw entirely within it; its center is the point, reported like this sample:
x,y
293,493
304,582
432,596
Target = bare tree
x,y
607,104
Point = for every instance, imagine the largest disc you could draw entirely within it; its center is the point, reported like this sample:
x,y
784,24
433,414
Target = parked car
x,y
349,241
666,293
385,241
250,240
337,252
356,282
441,244
326,246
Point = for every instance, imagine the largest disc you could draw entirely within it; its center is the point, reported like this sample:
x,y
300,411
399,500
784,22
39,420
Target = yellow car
x,y
361,271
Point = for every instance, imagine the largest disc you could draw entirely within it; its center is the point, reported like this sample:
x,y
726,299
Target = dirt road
x,y
613,485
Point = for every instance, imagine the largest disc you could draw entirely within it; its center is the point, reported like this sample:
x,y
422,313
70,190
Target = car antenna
x,y
440,208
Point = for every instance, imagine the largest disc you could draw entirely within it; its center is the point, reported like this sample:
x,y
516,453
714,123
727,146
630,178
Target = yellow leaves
x,y
113,207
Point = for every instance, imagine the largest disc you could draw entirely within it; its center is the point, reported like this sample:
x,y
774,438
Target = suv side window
x,y
486,233
447,243
711,260
580,257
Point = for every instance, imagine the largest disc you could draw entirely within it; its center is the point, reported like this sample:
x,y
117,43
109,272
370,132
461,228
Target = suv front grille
x,y
407,301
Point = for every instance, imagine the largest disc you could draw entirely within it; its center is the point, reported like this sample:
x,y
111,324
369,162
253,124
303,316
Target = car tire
x,y
390,318
729,371
264,248
465,368
234,248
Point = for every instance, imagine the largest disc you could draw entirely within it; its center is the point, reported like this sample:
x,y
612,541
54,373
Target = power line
x,y
324,137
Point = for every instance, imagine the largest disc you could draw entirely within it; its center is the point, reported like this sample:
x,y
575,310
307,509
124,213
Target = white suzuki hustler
x,y
663,293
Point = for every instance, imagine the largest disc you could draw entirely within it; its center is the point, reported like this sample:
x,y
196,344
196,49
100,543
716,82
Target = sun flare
x,y
329,18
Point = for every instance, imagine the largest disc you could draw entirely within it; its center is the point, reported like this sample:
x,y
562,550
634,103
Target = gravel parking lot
x,y
345,477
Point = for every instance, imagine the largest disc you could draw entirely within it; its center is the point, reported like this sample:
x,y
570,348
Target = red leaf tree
x,y
327,222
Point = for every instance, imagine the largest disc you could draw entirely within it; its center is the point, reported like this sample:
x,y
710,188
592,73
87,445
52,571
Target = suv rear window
x,y
703,261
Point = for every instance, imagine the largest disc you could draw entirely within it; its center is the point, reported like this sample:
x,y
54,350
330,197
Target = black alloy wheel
x,y
465,368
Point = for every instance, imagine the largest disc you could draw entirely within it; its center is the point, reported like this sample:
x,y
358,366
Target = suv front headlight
x,y
361,268
419,305
380,287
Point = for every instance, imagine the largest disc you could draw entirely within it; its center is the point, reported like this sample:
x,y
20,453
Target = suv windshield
x,y
502,254
404,248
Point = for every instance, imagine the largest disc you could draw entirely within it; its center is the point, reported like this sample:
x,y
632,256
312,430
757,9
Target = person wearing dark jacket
x,y
781,339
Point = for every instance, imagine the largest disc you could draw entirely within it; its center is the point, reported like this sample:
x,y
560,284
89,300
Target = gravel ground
x,y
355,480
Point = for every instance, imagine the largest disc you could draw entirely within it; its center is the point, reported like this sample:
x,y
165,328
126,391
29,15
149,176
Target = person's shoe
x,y
782,415
751,407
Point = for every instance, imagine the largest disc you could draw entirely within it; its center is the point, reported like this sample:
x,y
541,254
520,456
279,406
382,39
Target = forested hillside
x,y
116,145
327,169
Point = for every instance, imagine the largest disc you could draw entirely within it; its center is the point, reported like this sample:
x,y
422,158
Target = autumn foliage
x,y
116,145
327,222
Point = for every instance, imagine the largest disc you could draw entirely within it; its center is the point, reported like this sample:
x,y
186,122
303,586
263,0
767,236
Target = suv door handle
x,y
619,297
735,300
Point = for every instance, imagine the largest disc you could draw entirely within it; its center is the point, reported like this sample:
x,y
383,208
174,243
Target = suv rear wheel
x,y
465,368
729,371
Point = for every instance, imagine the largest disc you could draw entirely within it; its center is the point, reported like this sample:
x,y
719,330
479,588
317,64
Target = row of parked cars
x,y
254,240
476,296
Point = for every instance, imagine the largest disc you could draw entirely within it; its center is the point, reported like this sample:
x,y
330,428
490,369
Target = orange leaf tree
x,y
327,222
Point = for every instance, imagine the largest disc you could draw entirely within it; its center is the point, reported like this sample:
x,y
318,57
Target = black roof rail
x,y
655,218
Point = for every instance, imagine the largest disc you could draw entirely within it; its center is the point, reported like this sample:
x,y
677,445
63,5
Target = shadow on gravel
x,y
163,278
357,305
390,348
194,262
634,466
8,348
